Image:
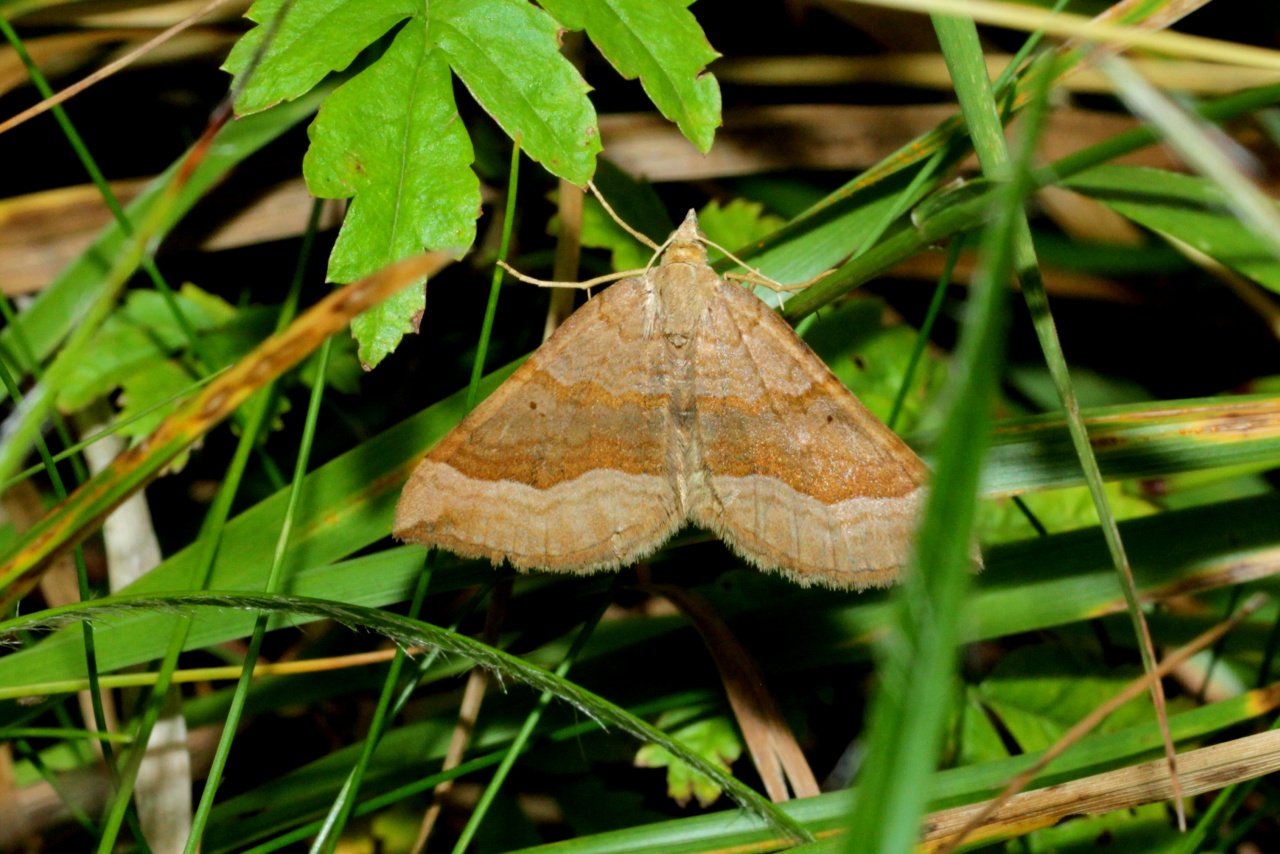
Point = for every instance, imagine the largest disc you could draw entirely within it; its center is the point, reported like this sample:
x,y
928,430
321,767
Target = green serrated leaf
x,y
315,38
739,223
392,138
142,332
379,330
507,54
1184,207
714,739
660,42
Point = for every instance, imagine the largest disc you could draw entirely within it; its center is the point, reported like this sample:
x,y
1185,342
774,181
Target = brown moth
x,y
672,397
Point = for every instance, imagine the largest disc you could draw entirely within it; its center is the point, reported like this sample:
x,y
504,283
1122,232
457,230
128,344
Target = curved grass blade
x,y
408,632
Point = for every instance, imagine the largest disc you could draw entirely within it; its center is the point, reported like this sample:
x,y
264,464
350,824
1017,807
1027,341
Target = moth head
x,y
685,245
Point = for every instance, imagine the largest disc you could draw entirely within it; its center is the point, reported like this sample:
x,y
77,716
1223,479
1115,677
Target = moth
x,y
672,397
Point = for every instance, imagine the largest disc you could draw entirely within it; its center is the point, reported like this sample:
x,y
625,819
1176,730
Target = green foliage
x,y
601,231
1001,520
662,44
738,223
1187,208
1039,692
138,338
715,739
392,137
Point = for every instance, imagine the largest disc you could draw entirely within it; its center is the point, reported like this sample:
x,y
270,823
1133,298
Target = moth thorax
x,y
685,253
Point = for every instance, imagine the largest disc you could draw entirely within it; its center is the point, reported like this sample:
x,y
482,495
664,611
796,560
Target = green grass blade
x,y
963,50
522,737
275,576
917,657
407,632
922,339
331,829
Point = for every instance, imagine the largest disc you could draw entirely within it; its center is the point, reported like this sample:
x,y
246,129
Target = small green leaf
x,y
739,223
714,739
601,231
1039,692
1189,209
507,54
392,138
315,38
142,332
660,42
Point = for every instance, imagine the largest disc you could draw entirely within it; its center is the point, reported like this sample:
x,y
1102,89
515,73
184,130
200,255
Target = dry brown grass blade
x,y
929,71
1203,770
1131,691
1103,29
826,136
110,68
77,516
1122,12
41,233
58,54
770,741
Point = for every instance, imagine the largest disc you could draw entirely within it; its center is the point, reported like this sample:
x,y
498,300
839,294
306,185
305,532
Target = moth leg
x,y
757,279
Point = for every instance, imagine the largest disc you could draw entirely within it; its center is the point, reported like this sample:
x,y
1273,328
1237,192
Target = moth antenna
x,y
643,238
658,250
590,283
